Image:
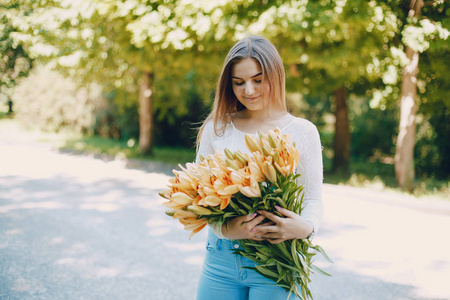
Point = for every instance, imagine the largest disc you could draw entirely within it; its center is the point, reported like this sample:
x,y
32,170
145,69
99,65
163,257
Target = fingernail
x,y
277,207
253,230
253,215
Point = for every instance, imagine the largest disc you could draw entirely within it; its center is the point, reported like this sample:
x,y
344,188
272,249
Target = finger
x,y
263,230
270,216
285,212
255,221
248,218
276,241
270,235
267,224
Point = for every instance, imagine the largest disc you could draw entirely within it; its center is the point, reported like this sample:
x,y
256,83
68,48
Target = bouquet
x,y
226,185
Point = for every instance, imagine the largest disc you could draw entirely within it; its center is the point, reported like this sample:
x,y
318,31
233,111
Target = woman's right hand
x,y
243,228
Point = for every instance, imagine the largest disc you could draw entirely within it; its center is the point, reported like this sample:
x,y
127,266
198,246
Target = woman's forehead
x,y
246,68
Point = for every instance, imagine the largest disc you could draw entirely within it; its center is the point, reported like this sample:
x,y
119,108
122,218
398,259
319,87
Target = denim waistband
x,y
222,243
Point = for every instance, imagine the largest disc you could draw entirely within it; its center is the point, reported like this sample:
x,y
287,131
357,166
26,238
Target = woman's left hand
x,y
282,229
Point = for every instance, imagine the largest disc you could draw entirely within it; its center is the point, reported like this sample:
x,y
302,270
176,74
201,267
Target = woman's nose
x,y
249,89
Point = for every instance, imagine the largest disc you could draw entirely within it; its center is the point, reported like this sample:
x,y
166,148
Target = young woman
x,y
250,97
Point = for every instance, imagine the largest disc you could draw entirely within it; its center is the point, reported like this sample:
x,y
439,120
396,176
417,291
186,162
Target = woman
x,y
250,97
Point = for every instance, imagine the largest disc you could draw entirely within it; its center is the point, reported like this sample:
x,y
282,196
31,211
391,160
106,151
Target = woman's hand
x,y
243,228
282,229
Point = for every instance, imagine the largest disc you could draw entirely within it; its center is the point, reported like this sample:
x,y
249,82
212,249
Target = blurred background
x,y
130,82
136,78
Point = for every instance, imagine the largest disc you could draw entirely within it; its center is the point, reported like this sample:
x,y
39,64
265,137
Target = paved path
x,y
77,227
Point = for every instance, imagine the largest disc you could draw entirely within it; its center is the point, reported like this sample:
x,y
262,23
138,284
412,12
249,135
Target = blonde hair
x,y
225,101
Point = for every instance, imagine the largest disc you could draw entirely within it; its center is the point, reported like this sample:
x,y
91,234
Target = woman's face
x,y
248,84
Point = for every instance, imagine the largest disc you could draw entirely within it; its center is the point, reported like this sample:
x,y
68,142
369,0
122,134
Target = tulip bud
x,y
162,194
261,135
266,150
251,144
276,156
228,153
232,164
199,210
269,172
272,141
170,212
241,158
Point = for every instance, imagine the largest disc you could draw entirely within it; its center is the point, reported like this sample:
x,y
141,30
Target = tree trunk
x,y
404,151
145,113
341,133
10,106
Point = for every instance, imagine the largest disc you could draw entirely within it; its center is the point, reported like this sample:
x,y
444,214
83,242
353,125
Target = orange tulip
x,y
199,210
212,200
256,171
252,189
183,214
251,144
181,198
269,172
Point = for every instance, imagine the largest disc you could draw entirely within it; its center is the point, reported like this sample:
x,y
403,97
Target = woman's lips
x,y
252,98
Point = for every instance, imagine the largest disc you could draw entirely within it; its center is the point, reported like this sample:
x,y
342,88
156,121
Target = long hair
x,y
225,101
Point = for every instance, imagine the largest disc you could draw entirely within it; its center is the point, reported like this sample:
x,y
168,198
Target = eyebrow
x,y
260,73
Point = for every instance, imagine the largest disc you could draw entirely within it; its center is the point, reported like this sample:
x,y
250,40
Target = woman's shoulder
x,y
301,125
304,132
214,130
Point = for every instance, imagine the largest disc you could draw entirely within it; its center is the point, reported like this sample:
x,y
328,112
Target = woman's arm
x,y
311,169
205,148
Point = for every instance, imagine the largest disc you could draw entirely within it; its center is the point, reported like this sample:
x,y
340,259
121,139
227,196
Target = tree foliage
x,y
326,45
14,60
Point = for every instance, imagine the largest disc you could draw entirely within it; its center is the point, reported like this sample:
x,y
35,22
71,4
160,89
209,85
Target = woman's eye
x,y
258,81
238,83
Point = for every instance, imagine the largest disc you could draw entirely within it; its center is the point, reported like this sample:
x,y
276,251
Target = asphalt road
x,y
80,227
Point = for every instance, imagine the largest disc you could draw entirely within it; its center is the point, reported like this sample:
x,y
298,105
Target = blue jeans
x,y
223,277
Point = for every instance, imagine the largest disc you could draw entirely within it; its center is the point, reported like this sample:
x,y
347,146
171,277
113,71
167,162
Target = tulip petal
x,y
231,189
212,200
181,198
225,202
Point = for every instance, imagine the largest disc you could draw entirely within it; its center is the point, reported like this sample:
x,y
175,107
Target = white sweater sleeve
x,y
311,169
204,149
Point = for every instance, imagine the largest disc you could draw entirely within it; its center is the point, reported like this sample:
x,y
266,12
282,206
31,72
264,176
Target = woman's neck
x,y
260,115
254,121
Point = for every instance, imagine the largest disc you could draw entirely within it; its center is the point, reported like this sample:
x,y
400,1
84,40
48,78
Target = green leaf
x,y
246,206
315,268
262,256
266,272
283,249
320,249
282,275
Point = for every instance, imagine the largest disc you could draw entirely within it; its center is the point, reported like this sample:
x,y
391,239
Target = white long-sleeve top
x,y
306,137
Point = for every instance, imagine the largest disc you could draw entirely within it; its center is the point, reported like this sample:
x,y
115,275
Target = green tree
x,y
14,60
421,28
334,48
130,45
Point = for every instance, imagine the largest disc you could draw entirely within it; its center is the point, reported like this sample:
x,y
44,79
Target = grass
x,y
381,176
128,149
